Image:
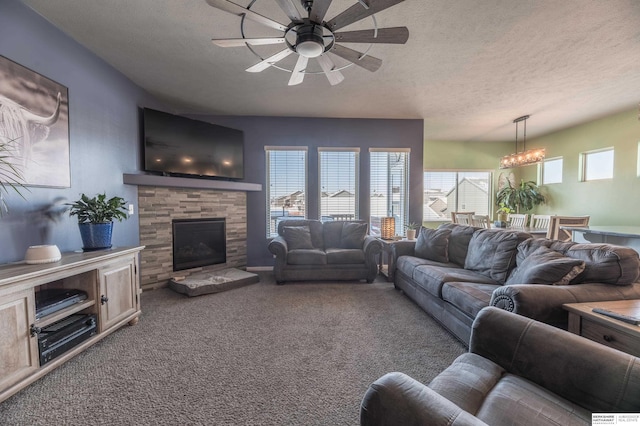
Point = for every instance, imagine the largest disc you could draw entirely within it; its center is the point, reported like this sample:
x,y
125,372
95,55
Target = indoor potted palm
x,y
519,198
95,219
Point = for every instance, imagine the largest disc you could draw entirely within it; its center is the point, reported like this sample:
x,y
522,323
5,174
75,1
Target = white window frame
x,y
342,215
402,218
457,179
541,175
584,164
272,230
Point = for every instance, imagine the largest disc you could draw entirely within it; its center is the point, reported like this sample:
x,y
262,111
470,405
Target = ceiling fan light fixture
x,y
309,41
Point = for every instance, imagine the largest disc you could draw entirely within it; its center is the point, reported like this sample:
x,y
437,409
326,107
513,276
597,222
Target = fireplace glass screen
x,y
198,242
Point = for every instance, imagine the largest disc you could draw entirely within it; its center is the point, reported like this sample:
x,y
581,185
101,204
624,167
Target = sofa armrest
x,y
397,399
400,248
544,302
372,248
589,374
278,247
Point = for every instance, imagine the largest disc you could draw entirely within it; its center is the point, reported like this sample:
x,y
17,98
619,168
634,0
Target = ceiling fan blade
x,y
395,35
263,65
290,9
319,10
328,66
231,7
368,62
238,42
297,75
358,12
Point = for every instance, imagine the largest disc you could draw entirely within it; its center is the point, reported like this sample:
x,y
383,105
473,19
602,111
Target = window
x,y
389,182
596,165
286,185
452,191
338,168
552,170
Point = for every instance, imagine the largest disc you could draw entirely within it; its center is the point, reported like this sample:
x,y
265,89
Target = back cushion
x,y
315,229
458,241
493,252
332,234
545,266
297,237
606,263
433,244
353,234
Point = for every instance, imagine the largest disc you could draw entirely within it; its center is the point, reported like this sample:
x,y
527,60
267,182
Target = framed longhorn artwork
x,y
34,125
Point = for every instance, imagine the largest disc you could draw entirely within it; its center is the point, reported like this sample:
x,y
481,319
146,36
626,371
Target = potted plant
x,y
519,198
95,219
412,227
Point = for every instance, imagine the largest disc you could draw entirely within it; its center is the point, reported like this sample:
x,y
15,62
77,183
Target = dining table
x,y
535,232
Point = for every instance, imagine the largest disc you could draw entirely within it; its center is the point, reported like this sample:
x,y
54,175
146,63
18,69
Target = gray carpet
x,y
298,354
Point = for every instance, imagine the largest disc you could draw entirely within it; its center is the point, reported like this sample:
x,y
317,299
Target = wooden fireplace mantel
x,y
182,182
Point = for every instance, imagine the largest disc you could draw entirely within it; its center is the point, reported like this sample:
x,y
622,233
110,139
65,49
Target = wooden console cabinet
x,y
109,277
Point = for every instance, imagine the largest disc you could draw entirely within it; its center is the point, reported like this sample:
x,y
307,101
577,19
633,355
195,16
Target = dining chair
x,y
540,221
555,233
518,220
462,218
481,221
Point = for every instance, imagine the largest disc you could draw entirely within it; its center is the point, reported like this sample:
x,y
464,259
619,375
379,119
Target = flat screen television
x,y
180,146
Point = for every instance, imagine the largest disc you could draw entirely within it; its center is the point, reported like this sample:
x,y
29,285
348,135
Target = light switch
x,y
131,211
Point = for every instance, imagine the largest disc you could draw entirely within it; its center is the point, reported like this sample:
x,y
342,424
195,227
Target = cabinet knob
x,y
35,330
103,299
608,338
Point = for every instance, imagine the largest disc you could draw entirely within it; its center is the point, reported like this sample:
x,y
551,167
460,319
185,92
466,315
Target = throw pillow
x,y
297,237
433,244
545,266
353,234
492,252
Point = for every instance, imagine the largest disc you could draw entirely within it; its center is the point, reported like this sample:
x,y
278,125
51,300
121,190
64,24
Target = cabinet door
x,y
118,293
18,349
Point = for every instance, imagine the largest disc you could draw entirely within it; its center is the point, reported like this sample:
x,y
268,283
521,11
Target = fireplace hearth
x,y
198,242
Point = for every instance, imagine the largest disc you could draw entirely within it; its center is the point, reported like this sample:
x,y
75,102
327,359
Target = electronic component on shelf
x,y
51,300
57,338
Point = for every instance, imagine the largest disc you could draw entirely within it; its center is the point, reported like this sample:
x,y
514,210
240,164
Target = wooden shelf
x,y
63,313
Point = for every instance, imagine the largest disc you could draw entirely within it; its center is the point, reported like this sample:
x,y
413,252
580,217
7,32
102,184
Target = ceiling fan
x,y
312,37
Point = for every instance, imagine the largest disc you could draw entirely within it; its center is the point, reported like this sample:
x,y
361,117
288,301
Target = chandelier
x,y
524,158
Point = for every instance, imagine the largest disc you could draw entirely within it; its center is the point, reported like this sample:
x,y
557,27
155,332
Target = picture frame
x,y
34,124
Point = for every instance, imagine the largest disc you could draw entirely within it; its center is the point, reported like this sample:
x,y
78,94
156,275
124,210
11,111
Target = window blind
x,y
339,183
389,182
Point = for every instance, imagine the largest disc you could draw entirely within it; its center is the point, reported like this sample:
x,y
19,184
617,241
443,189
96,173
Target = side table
x,y
604,329
386,269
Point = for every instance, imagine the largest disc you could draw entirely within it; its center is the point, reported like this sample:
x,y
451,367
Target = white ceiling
x,y
469,68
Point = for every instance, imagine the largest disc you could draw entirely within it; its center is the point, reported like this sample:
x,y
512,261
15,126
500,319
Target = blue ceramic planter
x,y
95,236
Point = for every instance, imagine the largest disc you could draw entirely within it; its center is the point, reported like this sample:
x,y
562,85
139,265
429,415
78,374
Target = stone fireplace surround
x,y
157,206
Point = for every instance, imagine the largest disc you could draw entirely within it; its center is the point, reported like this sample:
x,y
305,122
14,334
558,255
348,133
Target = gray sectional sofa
x,y
454,271
335,250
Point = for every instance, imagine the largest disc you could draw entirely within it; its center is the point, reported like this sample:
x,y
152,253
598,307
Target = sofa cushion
x,y
606,263
431,278
407,264
307,257
458,241
297,237
433,244
545,266
345,256
492,252
470,298
315,227
332,234
352,236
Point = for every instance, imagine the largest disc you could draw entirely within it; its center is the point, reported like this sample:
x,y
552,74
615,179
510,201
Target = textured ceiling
x,y
469,68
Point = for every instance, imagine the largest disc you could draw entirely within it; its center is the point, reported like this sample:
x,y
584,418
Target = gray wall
x,y
313,133
104,135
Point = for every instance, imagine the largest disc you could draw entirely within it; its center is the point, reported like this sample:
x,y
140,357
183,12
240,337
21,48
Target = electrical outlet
x,y
131,211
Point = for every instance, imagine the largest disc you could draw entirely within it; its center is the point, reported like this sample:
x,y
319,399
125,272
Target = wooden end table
x,y
386,269
604,329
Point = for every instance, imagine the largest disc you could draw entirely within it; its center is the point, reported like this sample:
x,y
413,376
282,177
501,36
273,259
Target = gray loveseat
x,y
518,371
454,271
334,250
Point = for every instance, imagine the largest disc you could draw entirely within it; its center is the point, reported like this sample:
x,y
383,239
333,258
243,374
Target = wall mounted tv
x,y
175,145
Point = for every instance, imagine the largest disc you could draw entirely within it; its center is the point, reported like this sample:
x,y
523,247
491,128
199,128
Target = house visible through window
x,y
339,189
596,165
453,191
389,177
286,185
552,171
